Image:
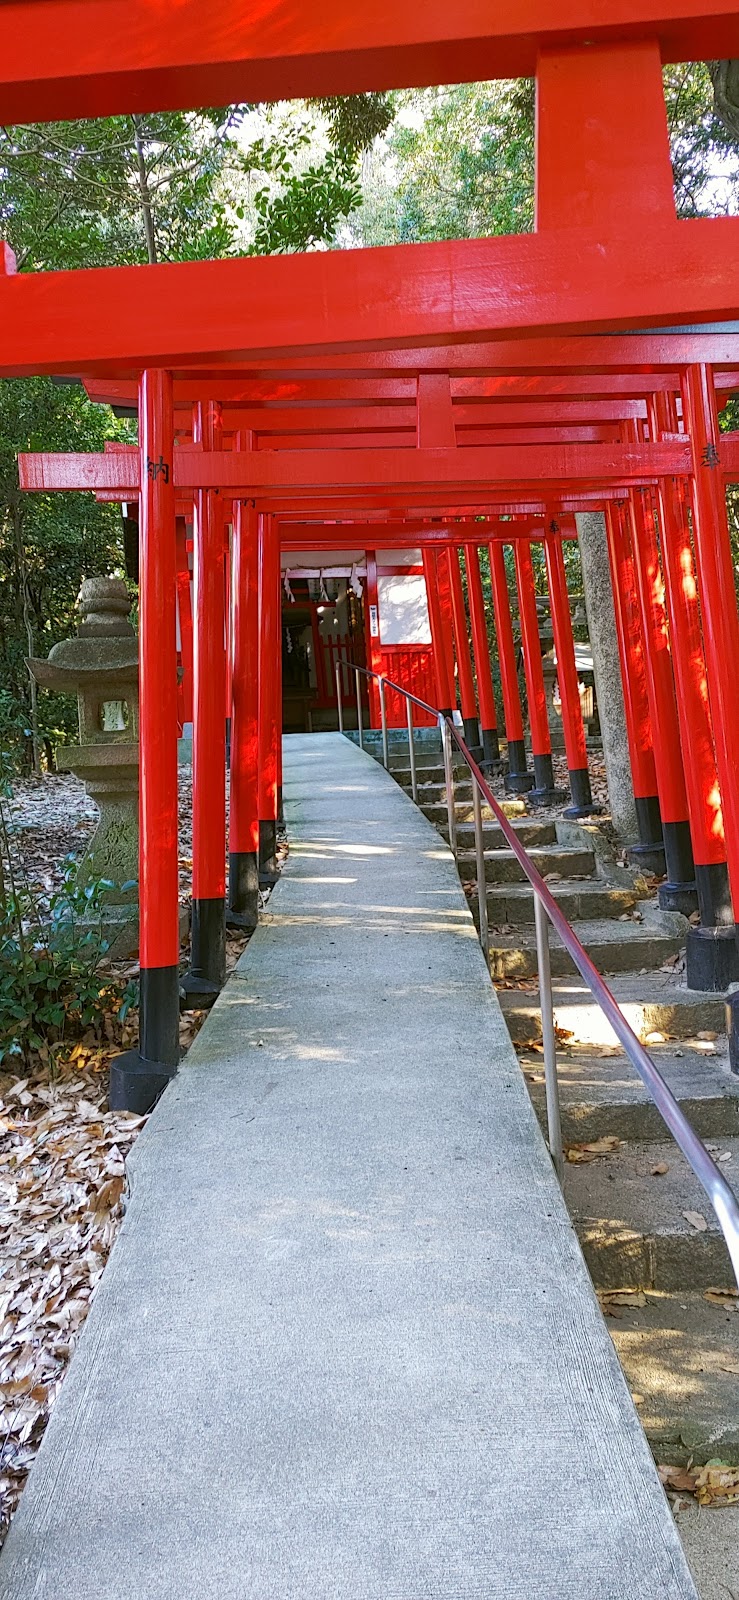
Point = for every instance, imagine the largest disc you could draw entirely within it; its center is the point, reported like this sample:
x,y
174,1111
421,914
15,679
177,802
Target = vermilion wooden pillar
x,y
485,693
444,690
719,613
679,892
518,779
269,644
543,791
649,853
138,1078
447,629
243,861
207,971
712,959
464,659
569,693
278,700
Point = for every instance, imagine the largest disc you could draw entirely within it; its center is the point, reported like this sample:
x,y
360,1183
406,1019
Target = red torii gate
x,y
608,252
435,428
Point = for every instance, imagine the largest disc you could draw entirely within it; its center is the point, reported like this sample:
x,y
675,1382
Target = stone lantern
x,y
100,666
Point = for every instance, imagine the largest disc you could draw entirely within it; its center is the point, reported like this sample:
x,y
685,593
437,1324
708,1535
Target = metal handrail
x,y
546,912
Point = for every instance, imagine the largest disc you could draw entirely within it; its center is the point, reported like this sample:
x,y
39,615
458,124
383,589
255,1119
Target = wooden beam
x,y
63,58
120,318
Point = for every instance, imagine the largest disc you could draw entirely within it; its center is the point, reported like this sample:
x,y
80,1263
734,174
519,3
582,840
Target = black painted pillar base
x,y
490,748
471,731
518,780
649,854
242,910
139,1077
268,869
711,959
679,893
583,804
712,952
206,975
544,792
714,895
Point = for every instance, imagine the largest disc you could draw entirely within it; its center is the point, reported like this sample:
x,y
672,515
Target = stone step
x,y
464,812
632,1223
430,794
600,1093
582,900
502,866
652,1002
612,946
680,1356
432,769
530,833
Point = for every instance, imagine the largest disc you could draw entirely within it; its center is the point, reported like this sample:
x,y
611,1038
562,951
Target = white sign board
x,y
404,615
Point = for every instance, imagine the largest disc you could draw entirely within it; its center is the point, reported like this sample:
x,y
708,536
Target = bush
x,y
54,985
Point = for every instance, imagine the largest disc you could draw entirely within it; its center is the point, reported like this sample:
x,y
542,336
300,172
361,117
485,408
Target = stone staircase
x,y
650,1239
622,930
648,1234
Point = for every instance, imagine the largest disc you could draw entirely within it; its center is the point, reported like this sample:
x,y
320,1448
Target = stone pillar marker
x,y
596,575
101,667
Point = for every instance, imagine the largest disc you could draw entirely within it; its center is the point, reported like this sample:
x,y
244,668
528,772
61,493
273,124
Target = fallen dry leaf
x,y
696,1220
661,1168
717,1484
677,1478
728,1298
592,1149
622,1297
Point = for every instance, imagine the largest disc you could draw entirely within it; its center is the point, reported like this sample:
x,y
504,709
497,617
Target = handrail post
x,y
482,888
383,719
360,726
546,1003
338,697
446,743
411,749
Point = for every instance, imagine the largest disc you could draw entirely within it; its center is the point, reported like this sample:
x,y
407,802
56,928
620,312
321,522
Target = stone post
x,y
596,575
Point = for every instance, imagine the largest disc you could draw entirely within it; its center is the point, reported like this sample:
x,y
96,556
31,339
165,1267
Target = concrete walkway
x,y
346,1347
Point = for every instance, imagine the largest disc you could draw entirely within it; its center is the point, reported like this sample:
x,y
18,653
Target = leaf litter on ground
x,y
714,1485
62,1181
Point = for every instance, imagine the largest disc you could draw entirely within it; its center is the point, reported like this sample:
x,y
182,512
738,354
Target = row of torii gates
x,y
439,396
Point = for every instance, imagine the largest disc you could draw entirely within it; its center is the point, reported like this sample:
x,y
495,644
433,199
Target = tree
x,y
161,187
181,186
48,544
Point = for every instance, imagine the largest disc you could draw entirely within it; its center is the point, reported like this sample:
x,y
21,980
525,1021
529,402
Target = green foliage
x,y
117,190
458,163
356,120
705,155
48,544
53,985
304,213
